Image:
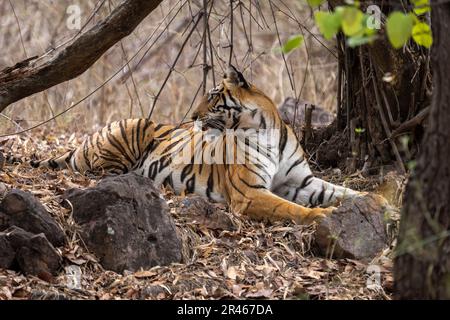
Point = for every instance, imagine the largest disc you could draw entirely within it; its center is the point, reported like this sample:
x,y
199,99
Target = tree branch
x,y
19,82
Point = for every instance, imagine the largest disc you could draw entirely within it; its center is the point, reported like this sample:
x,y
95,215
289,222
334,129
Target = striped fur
x,y
277,184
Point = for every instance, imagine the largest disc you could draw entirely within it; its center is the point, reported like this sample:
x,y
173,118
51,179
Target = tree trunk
x,y
422,263
382,89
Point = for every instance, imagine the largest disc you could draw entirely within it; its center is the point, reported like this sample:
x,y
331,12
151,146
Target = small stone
x,y
23,210
34,253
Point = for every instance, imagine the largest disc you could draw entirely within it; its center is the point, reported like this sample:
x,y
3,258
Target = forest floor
x,y
249,260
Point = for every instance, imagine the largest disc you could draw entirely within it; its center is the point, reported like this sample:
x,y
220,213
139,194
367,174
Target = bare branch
x,y
77,57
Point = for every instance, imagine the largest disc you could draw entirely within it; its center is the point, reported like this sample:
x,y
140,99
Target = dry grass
x,y
43,26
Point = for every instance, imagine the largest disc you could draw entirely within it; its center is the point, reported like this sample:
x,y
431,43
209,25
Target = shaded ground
x,y
224,258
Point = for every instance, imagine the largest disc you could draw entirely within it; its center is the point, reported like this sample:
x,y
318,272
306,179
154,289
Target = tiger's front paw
x,y
317,214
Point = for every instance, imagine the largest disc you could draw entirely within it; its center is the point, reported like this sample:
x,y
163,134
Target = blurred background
x,y
309,72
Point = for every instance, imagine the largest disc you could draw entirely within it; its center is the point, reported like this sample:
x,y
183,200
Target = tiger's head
x,y
235,103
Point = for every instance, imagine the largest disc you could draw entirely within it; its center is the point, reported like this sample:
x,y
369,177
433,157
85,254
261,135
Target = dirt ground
x,y
244,260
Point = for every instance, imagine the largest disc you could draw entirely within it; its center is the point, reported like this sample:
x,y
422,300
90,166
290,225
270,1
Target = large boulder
x,y
33,253
356,229
126,223
22,209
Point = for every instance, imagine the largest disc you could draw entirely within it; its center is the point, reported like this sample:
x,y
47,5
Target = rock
x,y
356,229
3,189
4,221
206,213
7,253
23,210
34,253
319,118
126,223
2,161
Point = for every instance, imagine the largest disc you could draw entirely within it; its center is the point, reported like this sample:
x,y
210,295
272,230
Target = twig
x,y
20,30
200,15
411,123
190,107
143,58
282,53
211,48
231,31
132,79
205,49
400,164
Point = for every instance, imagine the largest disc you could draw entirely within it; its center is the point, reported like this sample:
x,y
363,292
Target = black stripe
x,y
190,185
296,193
263,122
165,133
134,142
210,184
310,201
168,181
186,171
123,133
296,163
116,144
331,195
296,148
69,156
255,186
234,186
164,162
321,195
138,138
283,140
306,182
153,170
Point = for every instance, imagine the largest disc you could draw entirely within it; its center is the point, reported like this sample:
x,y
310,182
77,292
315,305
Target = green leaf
x,y
293,43
421,6
421,34
352,21
356,41
399,27
315,3
360,130
328,23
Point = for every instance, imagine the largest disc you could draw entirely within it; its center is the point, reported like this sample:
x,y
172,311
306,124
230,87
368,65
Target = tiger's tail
x,y
56,163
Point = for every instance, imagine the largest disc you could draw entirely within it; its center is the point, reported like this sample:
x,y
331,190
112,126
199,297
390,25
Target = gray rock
x,y
126,223
23,210
33,252
356,229
7,253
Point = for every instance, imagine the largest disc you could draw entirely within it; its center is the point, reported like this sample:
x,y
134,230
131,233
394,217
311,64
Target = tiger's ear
x,y
234,78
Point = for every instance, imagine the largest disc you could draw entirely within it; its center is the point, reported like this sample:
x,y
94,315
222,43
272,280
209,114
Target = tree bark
x,y
422,263
375,106
28,77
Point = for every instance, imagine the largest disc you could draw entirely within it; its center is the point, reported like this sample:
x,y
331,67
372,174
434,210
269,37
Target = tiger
x,y
272,181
